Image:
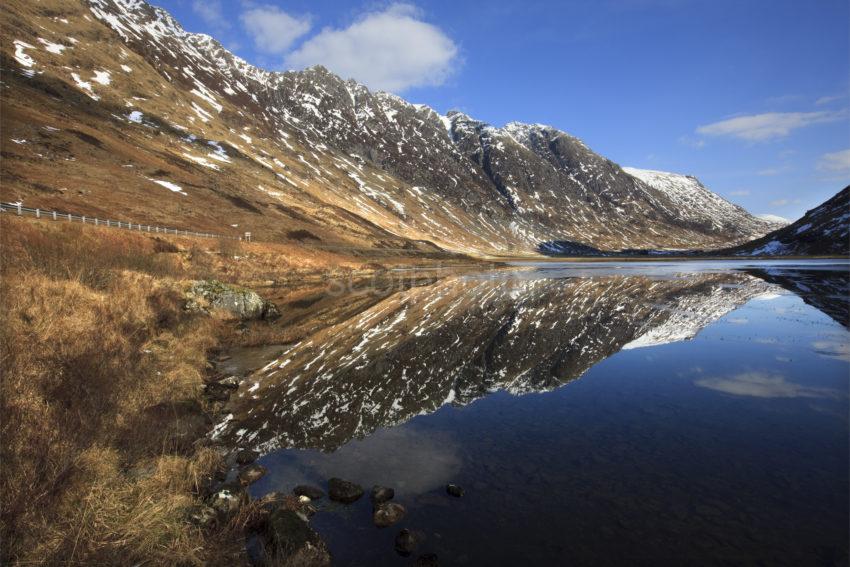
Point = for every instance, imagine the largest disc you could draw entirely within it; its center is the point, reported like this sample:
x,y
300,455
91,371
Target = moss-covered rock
x,y
243,303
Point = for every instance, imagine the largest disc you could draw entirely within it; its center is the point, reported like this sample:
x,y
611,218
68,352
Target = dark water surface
x,y
595,415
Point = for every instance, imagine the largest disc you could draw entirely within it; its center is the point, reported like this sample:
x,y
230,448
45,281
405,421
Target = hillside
x,y
824,230
111,108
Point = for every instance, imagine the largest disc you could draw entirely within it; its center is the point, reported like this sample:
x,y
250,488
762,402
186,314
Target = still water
x,y
595,414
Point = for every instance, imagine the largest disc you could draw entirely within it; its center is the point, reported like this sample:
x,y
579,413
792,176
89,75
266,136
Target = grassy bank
x,y
94,346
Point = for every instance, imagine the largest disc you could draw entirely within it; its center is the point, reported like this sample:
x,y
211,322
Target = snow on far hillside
x,y
700,205
775,219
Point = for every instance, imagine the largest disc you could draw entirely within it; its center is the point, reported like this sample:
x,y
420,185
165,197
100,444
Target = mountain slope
x,y
824,230
699,205
107,103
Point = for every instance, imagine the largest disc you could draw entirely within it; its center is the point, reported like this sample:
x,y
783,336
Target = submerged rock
x,y
407,541
311,492
344,491
252,473
240,302
454,490
387,514
381,494
427,560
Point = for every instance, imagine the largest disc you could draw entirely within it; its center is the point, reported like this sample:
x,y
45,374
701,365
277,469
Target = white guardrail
x,y
19,209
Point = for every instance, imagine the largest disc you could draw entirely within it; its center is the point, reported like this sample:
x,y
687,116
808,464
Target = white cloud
x,y
835,161
389,50
828,99
740,193
211,13
779,203
761,127
272,29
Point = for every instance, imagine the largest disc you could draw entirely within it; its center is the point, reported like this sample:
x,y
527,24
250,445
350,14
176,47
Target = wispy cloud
x,y
210,11
828,99
739,193
272,29
835,161
392,49
783,201
767,126
692,142
771,171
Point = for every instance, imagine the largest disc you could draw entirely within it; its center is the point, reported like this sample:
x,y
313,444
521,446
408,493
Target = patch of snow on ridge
x,y
102,77
21,54
774,219
85,86
772,248
56,48
168,185
135,116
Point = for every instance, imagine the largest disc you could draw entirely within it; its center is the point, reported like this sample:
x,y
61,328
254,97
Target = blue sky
x,y
749,96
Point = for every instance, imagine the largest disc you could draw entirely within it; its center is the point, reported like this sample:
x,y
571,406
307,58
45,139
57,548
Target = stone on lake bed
x,y
344,491
311,492
388,513
406,542
426,560
454,490
381,494
251,474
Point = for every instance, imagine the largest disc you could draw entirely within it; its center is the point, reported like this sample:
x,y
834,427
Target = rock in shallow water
x,y
381,494
387,514
344,491
406,542
252,473
427,560
311,492
454,490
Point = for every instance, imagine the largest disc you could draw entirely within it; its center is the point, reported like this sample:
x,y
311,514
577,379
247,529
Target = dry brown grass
x,y
92,332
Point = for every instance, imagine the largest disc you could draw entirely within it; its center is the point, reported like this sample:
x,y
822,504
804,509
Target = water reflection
x,y
709,427
461,338
763,385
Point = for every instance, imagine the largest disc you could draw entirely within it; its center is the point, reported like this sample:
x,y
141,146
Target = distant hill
x,y
824,230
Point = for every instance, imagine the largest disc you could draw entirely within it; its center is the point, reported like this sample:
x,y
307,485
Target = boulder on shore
x,y
291,541
240,302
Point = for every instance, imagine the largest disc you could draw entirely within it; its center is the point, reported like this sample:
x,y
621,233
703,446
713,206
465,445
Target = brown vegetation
x,y
92,334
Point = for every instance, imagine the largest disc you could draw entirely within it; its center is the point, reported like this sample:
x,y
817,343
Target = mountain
x,y
112,109
780,221
700,206
824,230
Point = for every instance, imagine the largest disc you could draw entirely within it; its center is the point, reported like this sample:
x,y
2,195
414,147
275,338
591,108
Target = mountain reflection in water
x,y
709,427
